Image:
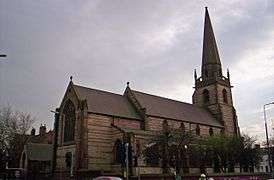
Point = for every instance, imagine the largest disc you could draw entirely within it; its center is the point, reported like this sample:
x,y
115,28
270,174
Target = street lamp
x,y
2,56
267,140
127,164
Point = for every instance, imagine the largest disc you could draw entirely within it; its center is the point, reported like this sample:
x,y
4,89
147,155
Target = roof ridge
x,y
133,91
177,101
98,90
163,97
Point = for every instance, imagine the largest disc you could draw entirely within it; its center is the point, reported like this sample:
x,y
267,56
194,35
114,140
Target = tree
x,y
227,151
221,151
13,128
168,147
249,156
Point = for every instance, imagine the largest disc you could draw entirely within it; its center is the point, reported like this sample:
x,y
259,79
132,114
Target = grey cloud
x,y
153,44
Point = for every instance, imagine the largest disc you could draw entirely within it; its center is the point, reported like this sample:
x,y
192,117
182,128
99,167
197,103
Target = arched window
x,y
206,96
198,130
68,160
69,128
182,127
225,96
137,153
222,131
211,131
118,152
138,148
165,126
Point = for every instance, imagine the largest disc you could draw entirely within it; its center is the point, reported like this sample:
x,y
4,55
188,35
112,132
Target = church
x,y
91,124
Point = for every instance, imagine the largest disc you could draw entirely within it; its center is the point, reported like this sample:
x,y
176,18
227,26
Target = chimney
x,y
257,146
42,130
32,132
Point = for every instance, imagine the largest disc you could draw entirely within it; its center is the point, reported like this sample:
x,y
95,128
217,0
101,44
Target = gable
x,y
107,103
70,94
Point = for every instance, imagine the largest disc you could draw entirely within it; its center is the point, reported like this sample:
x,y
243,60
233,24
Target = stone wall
x,y
222,111
156,124
198,95
63,148
61,156
69,95
101,139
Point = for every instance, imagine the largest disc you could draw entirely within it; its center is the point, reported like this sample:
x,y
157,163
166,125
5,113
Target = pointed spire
x,y
210,50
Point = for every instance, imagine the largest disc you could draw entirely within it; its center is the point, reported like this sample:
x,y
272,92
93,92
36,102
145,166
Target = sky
x,y
155,45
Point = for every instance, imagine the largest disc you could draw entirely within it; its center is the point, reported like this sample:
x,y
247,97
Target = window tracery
x,y
211,131
198,130
70,118
206,96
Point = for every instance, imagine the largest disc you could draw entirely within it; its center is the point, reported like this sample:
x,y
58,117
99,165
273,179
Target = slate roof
x,y
168,108
108,103
39,152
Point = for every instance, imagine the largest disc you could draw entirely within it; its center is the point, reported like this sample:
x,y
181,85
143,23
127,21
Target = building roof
x,y
168,108
39,152
108,103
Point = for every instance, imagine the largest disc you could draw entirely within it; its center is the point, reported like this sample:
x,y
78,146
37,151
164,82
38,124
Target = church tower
x,y
212,89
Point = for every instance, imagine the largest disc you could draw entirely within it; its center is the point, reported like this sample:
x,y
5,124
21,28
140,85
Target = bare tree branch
x,y
13,128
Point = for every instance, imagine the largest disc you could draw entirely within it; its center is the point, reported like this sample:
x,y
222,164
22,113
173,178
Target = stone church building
x,y
91,125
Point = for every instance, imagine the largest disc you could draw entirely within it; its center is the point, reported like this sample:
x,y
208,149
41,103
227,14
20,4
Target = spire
x,y
211,63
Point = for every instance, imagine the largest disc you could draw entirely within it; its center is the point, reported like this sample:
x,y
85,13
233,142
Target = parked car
x,y
107,178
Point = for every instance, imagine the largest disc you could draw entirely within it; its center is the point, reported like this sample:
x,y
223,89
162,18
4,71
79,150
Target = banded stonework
x,y
212,89
105,121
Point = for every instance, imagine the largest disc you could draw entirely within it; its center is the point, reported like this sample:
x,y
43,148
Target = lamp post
x,y
267,140
127,171
1,56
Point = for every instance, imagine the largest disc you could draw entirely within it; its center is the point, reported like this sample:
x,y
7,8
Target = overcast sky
x,y
153,44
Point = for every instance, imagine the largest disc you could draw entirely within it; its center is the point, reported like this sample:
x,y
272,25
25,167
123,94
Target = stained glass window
x,y
69,114
225,96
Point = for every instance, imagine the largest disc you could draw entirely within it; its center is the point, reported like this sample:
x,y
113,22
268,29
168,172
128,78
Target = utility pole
x,y
127,144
